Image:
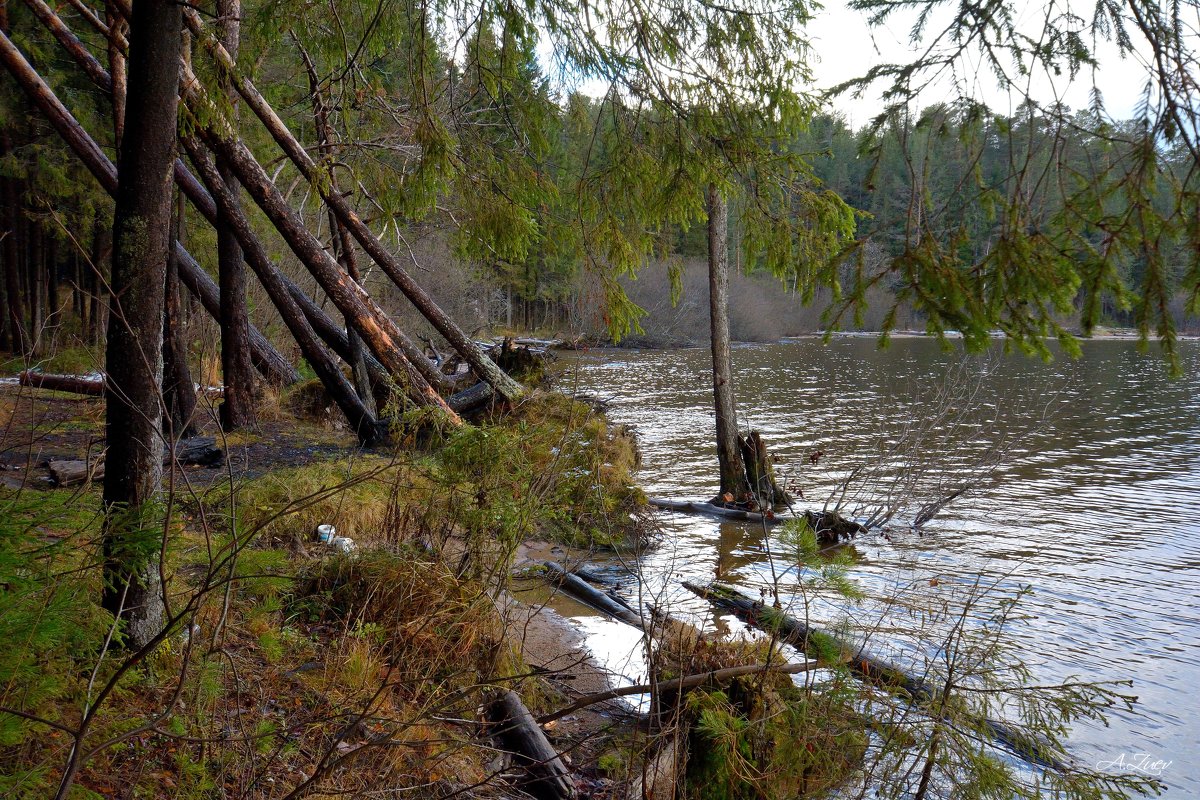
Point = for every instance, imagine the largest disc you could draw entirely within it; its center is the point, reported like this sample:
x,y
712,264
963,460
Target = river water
x,y
1081,480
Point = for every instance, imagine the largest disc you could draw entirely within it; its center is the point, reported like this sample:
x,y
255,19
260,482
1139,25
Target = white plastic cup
x,y
326,533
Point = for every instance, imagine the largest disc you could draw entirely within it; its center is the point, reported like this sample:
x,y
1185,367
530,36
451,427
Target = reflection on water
x,y
1095,505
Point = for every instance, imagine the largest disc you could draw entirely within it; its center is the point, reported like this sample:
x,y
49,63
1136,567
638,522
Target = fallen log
x,y
471,400
199,450
520,734
870,667
76,384
362,421
585,593
484,367
710,678
377,330
701,507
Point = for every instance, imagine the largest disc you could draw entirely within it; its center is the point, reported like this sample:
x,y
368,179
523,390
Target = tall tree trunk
x,y
52,251
141,243
35,285
237,407
118,29
179,391
97,279
734,487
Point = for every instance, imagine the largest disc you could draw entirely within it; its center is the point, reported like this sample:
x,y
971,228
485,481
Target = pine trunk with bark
x,y
237,409
142,217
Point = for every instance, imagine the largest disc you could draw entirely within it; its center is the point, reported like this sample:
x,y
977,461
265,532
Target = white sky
x,y
847,47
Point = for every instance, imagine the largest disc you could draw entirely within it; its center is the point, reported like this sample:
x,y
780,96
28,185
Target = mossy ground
x,y
291,662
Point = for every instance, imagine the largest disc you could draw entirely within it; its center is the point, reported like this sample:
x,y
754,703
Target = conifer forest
x,y
551,399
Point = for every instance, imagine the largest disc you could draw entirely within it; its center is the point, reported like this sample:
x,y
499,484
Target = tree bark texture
x,y
133,360
117,30
732,471
237,409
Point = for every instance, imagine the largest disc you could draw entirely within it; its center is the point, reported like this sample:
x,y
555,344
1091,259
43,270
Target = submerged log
x,y
585,593
520,734
871,668
829,526
701,507
76,384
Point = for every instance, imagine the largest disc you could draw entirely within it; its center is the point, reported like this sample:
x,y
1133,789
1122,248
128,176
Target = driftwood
x,y
520,734
711,677
701,507
201,450
585,593
869,667
76,384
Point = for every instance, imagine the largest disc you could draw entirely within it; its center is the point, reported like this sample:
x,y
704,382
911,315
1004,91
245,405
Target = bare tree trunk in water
x,y
734,488
237,409
179,392
141,242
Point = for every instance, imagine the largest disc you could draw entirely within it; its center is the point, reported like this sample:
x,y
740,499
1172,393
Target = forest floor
x,y
316,636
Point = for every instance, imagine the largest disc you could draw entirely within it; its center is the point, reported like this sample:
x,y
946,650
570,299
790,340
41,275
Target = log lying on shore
x,y
82,384
520,734
200,450
585,593
870,668
75,384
